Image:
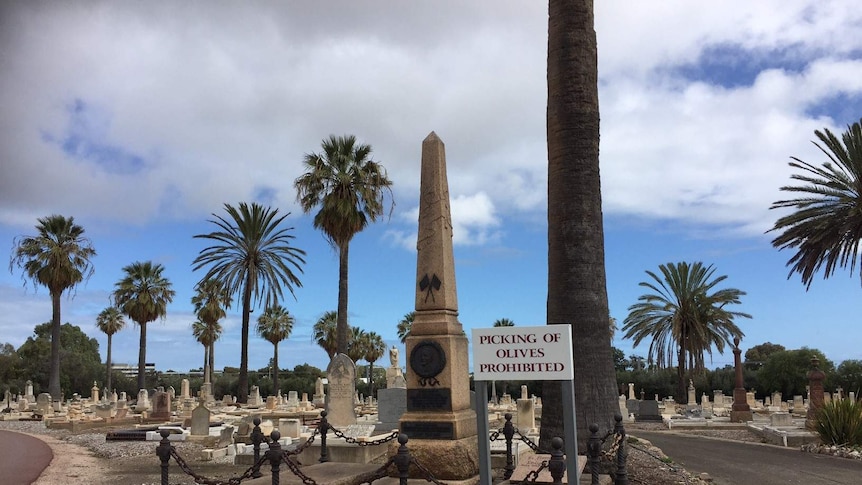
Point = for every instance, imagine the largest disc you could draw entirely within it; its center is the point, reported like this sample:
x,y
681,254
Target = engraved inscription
x,y
438,399
428,430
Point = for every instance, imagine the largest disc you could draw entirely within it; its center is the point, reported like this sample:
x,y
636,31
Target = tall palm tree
x,y
252,256
210,301
349,188
110,321
374,348
143,295
577,293
58,257
684,316
504,322
323,332
275,325
826,227
356,344
405,325
207,334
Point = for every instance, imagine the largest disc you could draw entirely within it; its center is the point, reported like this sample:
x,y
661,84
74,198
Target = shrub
x,y
840,423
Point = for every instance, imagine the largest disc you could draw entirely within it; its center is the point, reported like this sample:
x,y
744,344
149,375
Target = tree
x,y
252,256
504,322
848,375
80,363
374,348
10,365
786,372
826,226
356,344
143,295
207,334
757,355
58,258
110,321
323,332
577,293
684,317
275,325
210,301
349,188
405,325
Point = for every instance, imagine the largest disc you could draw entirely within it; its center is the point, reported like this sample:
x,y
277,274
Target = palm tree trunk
x,y
341,328
577,292
242,391
275,370
371,379
142,356
212,361
206,364
54,376
108,364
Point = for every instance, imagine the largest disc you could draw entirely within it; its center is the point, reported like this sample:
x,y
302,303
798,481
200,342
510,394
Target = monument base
x,y
450,460
426,425
740,416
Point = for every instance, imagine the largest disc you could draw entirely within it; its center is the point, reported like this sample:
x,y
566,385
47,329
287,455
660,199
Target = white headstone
x,y
341,374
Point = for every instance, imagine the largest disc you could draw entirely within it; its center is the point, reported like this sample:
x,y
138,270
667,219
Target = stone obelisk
x,y
438,420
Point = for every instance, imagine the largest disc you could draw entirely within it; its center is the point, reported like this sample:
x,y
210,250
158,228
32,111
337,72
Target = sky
x,y
142,119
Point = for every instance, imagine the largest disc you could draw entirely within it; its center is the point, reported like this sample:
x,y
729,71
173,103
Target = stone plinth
x,y
448,459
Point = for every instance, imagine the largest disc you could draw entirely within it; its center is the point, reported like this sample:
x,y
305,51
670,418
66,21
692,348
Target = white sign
x,y
541,353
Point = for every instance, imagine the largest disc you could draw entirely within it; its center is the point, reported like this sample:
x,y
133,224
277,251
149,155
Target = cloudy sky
x,y
141,119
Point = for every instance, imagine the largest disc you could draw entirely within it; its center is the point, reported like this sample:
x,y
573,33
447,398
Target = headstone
x,y
341,374
776,399
292,399
648,411
161,406
172,392
143,403
850,395
632,390
718,398
28,391
94,393
526,417
114,397
633,406
43,404
391,404
271,402
289,428
254,399
23,405
225,437
105,410
185,392
692,397
201,421
781,419
359,430
798,404
319,397
394,370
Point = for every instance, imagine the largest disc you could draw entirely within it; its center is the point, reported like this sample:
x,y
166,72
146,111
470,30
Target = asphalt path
x,y
22,458
740,463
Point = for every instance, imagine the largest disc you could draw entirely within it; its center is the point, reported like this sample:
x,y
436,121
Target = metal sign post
x,y
482,431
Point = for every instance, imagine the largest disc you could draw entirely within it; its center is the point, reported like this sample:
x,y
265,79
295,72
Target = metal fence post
x,y
275,456
594,452
509,433
622,452
402,460
323,427
164,453
557,464
256,439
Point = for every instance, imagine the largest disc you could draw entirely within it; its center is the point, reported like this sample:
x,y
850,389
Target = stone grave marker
x,y
43,403
648,411
391,404
161,406
201,421
271,403
289,428
359,430
780,419
292,398
531,462
185,392
341,374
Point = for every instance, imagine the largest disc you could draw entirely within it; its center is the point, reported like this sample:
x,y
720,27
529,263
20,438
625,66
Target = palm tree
x,y
323,332
612,326
349,188
275,325
210,301
143,295
827,225
374,349
58,258
504,322
110,321
356,344
203,334
577,288
251,256
684,316
405,325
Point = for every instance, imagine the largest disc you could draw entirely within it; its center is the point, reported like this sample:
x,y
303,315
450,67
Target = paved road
x,y
735,463
22,458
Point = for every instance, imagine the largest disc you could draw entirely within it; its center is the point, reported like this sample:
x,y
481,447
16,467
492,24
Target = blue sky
x,y
142,120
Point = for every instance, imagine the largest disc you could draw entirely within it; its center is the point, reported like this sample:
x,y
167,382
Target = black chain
x,y
533,475
378,474
299,449
428,475
355,441
294,467
531,444
212,481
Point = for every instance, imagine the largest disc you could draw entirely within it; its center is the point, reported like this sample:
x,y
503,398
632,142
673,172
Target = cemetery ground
x,y
86,458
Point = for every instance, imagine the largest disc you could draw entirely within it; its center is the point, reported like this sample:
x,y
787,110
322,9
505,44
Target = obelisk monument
x,y
438,420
